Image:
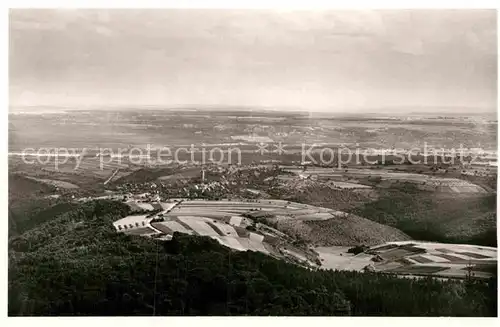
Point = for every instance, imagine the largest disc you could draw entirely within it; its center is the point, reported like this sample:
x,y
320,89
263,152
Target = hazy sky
x,y
329,60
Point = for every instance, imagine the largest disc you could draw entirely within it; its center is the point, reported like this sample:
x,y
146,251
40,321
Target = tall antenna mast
x,y
156,274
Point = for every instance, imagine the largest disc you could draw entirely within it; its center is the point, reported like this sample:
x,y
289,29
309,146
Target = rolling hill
x,y
77,264
425,216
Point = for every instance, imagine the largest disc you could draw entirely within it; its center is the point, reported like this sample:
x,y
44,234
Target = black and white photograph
x,y
252,162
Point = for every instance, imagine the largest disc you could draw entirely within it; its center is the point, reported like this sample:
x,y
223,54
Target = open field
x,y
226,234
84,171
440,259
415,258
56,183
332,183
337,258
225,221
230,208
243,225
317,225
424,182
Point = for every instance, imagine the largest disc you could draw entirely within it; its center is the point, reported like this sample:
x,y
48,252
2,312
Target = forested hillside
x,y
77,264
424,216
31,204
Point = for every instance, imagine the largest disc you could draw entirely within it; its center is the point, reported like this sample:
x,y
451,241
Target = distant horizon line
x,y
332,110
